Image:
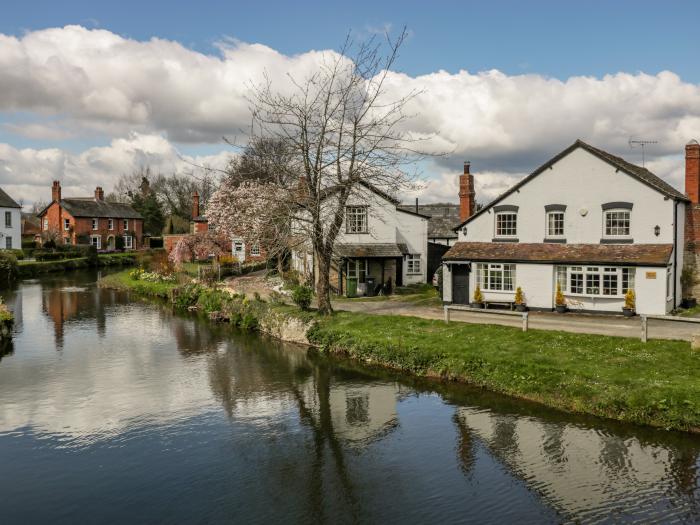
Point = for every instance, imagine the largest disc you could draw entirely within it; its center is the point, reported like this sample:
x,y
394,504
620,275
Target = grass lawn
x,y
655,383
122,281
418,294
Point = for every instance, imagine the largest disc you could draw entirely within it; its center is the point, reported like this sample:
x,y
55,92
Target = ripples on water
x,y
113,412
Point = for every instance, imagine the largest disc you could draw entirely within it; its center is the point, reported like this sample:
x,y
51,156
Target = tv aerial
x,y
642,144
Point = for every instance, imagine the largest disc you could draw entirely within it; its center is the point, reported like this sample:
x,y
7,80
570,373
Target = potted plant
x,y
630,299
560,301
520,305
478,301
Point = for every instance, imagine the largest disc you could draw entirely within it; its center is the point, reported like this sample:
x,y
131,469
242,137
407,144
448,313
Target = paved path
x,y
570,322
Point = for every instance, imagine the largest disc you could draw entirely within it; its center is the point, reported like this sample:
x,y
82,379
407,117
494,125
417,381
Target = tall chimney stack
x,y
56,191
466,194
692,171
99,194
195,205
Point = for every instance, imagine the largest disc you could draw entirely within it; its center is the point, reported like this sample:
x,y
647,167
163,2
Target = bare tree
x,y
340,131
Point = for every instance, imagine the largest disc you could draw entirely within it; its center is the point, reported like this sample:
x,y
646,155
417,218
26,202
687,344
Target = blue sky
x,y
554,38
89,94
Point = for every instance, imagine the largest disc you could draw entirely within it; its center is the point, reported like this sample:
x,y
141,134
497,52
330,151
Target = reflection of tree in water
x,y
7,348
251,368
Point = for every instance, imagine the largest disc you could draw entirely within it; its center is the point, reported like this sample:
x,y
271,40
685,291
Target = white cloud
x,y
154,93
27,173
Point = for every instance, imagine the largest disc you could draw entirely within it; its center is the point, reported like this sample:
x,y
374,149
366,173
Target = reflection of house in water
x,y
362,413
582,471
74,304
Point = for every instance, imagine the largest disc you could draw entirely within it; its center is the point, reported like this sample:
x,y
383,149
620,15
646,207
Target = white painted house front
x,y
588,220
10,223
380,245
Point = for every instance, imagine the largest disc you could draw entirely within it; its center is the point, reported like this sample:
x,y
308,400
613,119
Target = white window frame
x,y
502,214
66,240
46,223
8,242
549,216
128,242
609,235
66,224
8,219
413,266
126,224
487,277
357,269
95,224
356,219
255,250
97,245
587,278
110,224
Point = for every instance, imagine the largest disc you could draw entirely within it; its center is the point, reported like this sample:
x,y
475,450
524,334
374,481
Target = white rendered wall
x,y
15,231
581,181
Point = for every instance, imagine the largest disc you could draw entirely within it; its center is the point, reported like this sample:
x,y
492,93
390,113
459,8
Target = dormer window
x,y
356,219
506,221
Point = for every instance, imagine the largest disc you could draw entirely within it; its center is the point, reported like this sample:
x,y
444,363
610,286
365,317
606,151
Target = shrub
x,y
302,295
119,242
8,265
478,296
19,254
630,299
559,298
519,296
248,322
187,296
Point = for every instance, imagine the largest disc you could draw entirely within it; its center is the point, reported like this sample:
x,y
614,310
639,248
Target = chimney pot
x,y
99,194
467,164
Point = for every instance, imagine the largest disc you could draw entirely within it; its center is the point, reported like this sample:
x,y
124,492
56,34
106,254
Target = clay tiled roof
x,y
628,254
374,250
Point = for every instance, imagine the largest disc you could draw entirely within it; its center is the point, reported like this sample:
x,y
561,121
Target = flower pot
x,y
561,308
476,305
522,307
628,312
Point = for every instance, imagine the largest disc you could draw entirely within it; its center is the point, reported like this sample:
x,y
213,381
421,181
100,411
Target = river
x,y
114,410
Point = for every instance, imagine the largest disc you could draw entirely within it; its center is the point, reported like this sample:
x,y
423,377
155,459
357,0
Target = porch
x,y
368,269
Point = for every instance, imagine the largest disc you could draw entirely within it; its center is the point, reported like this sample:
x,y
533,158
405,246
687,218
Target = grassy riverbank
x,y
654,383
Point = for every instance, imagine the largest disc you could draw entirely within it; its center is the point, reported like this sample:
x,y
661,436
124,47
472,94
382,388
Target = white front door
x,y
239,249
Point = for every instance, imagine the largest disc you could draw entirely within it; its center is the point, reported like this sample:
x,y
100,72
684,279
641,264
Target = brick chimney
x,y
692,171
99,194
195,205
56,191
467,206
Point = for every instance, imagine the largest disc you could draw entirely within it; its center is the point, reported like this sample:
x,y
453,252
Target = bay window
x,y
495,277
607,281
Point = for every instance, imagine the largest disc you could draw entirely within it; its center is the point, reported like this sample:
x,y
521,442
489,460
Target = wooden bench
x,y
509,304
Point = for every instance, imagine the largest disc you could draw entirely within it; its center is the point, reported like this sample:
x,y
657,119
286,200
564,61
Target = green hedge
x,y
33,268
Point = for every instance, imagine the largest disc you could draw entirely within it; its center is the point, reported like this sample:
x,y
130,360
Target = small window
x,y
627,279
506,224
8,242
95,224
46,224
8,219
237,246
66,224
555,224
413,264
255,250
356,219
126,224
96,241
110,224
128,242
617,223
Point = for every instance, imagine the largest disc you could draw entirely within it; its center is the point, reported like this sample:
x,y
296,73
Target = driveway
x,y
578,323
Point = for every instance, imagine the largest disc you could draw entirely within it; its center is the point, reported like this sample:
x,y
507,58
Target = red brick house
x,y
200,224
92,220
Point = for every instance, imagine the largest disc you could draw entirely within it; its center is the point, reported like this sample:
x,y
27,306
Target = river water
x,y
118,411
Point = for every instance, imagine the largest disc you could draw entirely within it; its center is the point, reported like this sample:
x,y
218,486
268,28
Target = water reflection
x,y
202,424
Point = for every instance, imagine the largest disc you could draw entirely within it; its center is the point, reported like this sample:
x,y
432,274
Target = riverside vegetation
x,y
653,383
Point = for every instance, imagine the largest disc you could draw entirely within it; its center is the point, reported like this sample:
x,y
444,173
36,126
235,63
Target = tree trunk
x,y
323,285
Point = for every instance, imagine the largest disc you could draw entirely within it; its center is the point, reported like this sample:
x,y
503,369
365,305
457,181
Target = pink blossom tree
x,y
199,246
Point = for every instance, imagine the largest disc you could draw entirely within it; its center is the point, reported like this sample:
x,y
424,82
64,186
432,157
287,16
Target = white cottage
x,y
380,245
11,222
587,220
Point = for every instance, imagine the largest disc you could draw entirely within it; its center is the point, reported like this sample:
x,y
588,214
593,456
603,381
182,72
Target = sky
x,y
91,90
